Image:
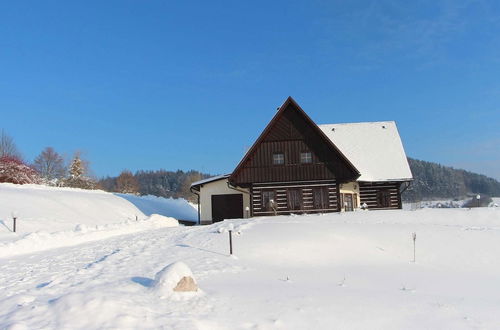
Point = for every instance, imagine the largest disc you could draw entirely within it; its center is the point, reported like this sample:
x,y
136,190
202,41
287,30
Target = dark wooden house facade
x,y
295,167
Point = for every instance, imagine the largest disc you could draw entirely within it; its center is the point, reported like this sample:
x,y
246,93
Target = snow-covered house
x,y
297,166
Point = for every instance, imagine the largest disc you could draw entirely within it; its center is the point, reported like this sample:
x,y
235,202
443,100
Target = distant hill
x,y
435,181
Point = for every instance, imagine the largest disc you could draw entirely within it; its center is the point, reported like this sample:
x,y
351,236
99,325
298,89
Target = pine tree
x,y
77,178
76,169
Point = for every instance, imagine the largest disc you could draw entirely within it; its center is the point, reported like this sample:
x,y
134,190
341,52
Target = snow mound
x,y
176,208
168,279
167,221
42,208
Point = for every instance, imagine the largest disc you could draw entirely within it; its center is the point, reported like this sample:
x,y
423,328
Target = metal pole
x,y
414,236
14,224
231,242
414,243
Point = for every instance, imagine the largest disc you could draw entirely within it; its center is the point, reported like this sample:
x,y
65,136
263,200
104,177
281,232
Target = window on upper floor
x,y
278,158
305,157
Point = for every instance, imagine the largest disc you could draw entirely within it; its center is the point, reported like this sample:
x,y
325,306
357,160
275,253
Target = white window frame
x,y
278,158
306,157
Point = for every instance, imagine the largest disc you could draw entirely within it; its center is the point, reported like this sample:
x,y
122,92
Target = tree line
x,y
48,168
163,183
435,181
431,180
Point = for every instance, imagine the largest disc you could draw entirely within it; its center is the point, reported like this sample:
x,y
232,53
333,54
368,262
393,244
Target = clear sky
x,y
190,85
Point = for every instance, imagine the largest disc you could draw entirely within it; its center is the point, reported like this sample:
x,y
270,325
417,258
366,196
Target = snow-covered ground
x,y
49,217
332,271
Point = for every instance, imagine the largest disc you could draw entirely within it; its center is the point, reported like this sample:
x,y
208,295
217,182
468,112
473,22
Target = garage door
x,y
227,207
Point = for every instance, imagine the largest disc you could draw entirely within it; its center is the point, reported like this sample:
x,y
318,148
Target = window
x,y
268,200
278,158
320,198
294,199
305,158
384,198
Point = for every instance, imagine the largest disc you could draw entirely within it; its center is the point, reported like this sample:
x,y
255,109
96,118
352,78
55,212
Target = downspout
x,y
198,195
407,185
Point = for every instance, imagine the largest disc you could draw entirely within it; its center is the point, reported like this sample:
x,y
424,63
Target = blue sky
x,y
190,85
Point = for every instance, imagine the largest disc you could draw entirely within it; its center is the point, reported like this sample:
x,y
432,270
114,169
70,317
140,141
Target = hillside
x,y
49,217
347,271
435,181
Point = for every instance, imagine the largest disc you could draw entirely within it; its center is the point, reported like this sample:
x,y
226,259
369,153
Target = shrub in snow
x,y
176,277
81,228
14,170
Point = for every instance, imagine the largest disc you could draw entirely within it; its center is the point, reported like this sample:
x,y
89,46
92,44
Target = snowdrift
x,y
50,217
169,207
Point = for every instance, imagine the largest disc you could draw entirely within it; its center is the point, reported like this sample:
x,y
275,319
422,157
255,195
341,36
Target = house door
x,y
348,203
227,207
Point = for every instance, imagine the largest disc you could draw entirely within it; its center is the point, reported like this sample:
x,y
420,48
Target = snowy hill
x,y
52,217
347,271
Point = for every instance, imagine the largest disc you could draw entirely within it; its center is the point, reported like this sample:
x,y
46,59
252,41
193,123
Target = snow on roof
x,y
374,148
211,179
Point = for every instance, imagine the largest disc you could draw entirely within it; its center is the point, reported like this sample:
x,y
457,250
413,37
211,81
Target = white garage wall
x,y
218,187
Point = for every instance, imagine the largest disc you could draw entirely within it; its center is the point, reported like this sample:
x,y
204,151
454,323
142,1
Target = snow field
x,y
347,271
51,217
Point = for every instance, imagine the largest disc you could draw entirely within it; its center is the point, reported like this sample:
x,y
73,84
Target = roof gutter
x,y
230,186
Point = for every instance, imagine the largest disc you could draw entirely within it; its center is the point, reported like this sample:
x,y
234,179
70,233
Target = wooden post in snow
x,y
414,236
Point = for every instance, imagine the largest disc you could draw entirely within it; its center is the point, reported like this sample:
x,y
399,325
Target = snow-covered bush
x,y
14,170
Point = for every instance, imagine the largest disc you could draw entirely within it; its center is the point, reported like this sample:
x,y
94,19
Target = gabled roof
x,y
208,180
279,113
375,148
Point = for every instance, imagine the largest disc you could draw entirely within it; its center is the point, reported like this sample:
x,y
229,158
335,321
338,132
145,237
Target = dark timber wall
x,y
380,195
290,133
308,192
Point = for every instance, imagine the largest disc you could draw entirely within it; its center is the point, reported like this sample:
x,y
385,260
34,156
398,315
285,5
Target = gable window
x,y
278,158
305,157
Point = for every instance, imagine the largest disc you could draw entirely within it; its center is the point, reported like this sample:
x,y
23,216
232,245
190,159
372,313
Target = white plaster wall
x,y
350,188
218,187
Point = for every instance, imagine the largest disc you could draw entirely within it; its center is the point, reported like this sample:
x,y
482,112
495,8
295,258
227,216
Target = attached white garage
x,y
219,201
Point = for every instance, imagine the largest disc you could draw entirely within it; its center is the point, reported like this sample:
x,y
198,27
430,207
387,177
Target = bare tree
x,y
50,164
127,183
7,146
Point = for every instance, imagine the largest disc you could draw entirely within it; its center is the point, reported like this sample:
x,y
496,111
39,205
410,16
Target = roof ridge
x,y
361,122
